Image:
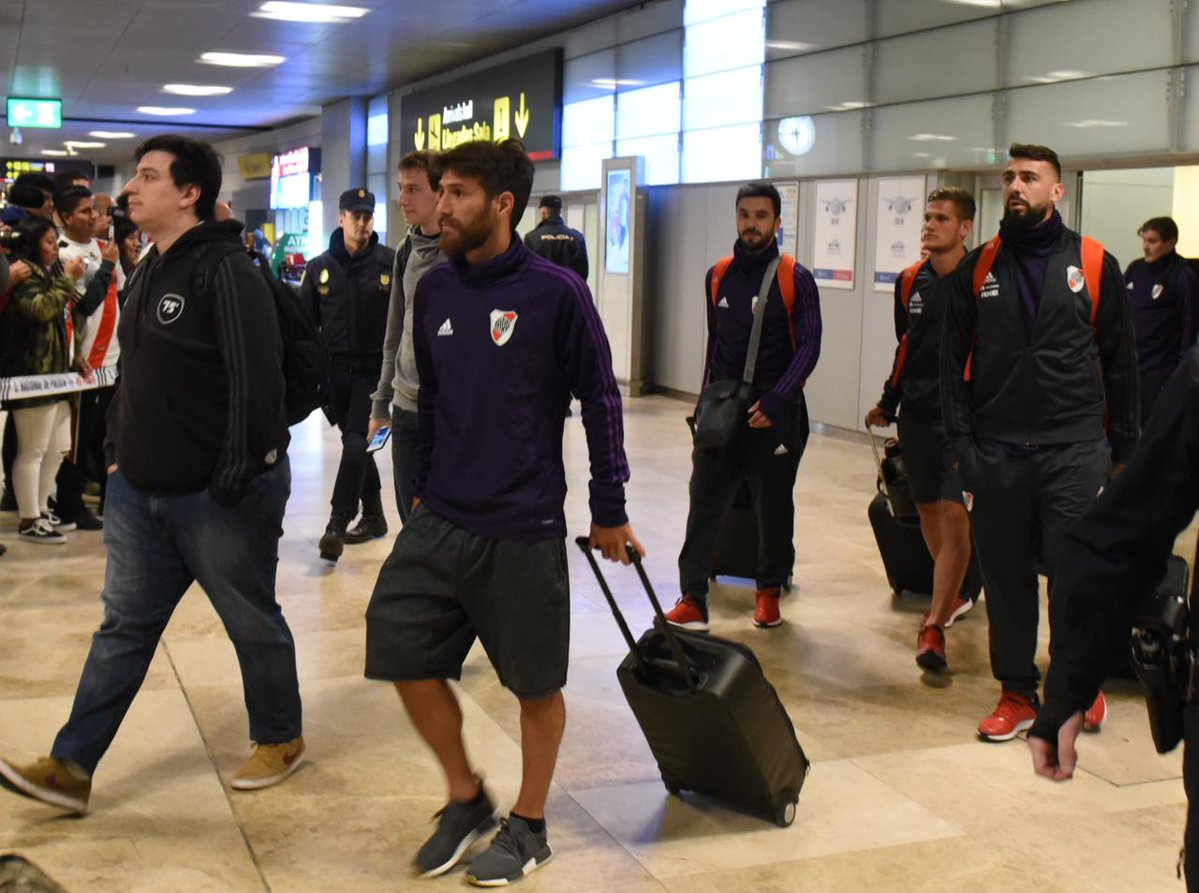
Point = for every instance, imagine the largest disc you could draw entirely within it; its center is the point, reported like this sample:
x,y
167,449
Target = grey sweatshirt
x,y
398,379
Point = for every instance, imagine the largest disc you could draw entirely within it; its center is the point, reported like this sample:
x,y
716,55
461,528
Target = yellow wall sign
x,y
254,167
503,106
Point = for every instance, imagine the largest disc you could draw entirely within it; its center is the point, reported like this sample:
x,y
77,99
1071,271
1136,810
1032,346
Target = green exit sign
x,y
35,113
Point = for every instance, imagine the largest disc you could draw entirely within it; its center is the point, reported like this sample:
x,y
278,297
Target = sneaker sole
x,y
930,660
527,869
695,626
1022,726
14,781
43,541
484,828
257,784
769,625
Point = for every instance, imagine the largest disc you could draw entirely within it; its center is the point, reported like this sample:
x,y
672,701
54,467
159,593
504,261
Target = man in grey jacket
x,y
395,398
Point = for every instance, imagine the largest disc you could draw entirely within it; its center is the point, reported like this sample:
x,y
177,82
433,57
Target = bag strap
x,y
1092,274
759,311
718,271
907,282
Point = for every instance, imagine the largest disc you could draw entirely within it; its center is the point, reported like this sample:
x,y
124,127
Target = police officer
x,y
556,241
347,289
1165,297
1038,364
1112,557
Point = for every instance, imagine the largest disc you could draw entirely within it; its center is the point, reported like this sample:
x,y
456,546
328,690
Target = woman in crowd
x,y
35,340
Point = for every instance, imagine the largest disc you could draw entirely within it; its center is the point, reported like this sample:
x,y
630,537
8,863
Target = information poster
x,y
835,233
900,219
616,257
789,214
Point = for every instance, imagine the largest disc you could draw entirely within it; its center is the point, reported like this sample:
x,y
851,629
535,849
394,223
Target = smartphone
x,y
379,440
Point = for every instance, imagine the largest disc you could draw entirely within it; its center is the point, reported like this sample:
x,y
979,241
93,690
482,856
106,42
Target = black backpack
x,y
305,357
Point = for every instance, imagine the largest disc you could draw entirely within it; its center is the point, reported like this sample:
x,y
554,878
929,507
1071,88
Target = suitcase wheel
x,y
784,813
672,784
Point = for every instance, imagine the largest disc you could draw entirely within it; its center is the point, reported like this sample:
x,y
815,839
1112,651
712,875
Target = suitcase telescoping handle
x,y
878,463
660,618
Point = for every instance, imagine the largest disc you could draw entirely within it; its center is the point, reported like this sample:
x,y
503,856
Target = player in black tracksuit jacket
x,y
1029,390
348,295
1110,559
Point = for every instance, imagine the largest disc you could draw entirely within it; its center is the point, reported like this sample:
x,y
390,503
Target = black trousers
x,y
8,451
1190,780
769,460
350,410
1021,503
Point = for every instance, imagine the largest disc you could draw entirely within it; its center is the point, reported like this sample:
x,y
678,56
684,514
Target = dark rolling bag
x,y
712,721
737,548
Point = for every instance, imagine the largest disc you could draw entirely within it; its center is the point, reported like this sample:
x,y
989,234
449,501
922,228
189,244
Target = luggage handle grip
x,y
584,543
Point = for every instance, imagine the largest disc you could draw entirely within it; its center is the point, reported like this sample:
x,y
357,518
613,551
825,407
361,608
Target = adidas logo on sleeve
x,y
447,329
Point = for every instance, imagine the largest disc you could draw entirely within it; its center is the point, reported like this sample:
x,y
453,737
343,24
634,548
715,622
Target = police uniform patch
x,y
385,279
324,277
362,193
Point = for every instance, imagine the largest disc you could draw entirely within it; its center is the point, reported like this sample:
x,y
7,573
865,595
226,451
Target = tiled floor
x,y
901,797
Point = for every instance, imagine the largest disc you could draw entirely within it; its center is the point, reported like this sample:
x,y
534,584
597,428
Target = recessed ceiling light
x,y
617,82
112,134
932,138
164,111
797,46
310,13
195,90
1087,123
242,60
56,153
77,144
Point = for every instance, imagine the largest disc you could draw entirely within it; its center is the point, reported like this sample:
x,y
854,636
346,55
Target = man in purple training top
x,y
502,338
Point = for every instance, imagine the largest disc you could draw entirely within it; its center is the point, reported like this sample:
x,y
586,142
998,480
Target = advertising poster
x,y
900,218
835,233
616,257
789,231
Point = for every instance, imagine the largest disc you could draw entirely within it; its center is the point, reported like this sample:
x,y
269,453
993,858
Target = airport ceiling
x,y
107,58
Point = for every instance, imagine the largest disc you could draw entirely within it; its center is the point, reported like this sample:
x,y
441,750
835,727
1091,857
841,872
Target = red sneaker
x,y
960,607
689,613
930,648
766,608
1092,720
1014,714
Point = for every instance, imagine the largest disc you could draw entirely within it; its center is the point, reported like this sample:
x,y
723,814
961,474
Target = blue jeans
x,y
158,545
403,458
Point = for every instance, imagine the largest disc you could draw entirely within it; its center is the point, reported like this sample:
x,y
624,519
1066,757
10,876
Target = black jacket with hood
x,y
200,399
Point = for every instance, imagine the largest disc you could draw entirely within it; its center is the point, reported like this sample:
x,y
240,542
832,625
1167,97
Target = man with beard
x,y
767,447
916,381
502,338
1038,366
347,289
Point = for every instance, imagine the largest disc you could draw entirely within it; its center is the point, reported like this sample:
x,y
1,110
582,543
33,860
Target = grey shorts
x,y
926,459
442,587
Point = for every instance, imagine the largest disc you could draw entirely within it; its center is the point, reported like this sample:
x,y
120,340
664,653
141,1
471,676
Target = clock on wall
x,y
797,135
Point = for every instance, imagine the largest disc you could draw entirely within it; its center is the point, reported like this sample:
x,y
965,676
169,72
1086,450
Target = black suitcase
x,y
712,721
906,560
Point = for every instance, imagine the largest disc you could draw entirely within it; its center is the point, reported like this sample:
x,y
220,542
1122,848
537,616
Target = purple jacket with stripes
x,y
499,348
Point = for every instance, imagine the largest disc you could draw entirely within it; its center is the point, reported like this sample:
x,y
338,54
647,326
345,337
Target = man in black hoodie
x,y
347,290
198,478
1038,366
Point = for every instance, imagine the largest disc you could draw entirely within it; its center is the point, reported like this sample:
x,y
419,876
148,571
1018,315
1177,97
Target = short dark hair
x,y
499,167
26,195
962,200
424,160
761,189
1163,226
66,179
195,164
68,200
30,231
36,180
1033,152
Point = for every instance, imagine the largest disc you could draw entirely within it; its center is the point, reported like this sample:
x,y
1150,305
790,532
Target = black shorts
x,y
926,459
442,587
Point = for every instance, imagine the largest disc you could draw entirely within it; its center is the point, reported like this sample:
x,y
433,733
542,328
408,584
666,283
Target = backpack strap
x,y
786,277
907,281
1092,273
718,271
986,260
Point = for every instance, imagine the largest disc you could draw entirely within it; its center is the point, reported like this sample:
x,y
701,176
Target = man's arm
x,y
1188,308
1118,355
1116,553
888,404
97,290
381,398
806,323
308,297
426,396
957,342
247,333
580,263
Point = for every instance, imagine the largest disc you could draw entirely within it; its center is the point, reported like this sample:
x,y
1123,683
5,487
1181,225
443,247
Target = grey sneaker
x,y
459,825
516,851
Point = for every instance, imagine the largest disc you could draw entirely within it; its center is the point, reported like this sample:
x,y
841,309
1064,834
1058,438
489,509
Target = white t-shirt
x,y
98,334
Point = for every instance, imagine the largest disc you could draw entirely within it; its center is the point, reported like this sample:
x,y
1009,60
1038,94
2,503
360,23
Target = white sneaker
x,y
41,531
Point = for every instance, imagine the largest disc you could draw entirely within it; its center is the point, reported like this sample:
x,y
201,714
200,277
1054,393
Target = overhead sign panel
x,y
518,99
34,113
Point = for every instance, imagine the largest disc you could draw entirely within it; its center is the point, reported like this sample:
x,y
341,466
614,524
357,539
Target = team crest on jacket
x,y
1075,279
1157,291
503,324
170,307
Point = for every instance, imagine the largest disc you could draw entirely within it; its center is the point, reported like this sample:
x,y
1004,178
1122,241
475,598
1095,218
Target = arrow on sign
x,y
22,114
420,134
522,117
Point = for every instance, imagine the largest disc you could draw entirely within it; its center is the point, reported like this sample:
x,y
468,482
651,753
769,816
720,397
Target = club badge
x,y
503,324
1075,279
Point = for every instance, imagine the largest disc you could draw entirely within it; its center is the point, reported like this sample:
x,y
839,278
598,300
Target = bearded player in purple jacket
x,y
502,339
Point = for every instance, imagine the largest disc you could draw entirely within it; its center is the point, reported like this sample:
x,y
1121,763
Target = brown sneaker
x,y
49,780
268,764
